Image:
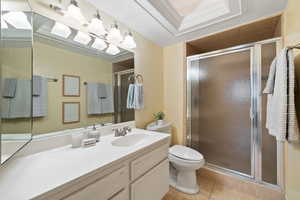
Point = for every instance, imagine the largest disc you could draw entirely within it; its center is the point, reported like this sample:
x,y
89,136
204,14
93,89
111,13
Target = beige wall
x,y
291,33
175,90
149,63
53,62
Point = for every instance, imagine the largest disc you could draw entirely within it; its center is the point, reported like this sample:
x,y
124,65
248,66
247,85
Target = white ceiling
x,y
170,21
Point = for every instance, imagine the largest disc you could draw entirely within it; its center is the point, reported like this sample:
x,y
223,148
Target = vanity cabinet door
x,y
153,185
103,188
144,163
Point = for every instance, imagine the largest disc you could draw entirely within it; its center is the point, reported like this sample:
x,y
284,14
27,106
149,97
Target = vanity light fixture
x,y
99,44
17,19
82,38
96,26
128,41
112,49
3,24
74,11
114,35
61,30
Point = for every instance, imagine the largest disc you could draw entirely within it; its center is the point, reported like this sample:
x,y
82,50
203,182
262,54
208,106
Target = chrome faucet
x,y
121,131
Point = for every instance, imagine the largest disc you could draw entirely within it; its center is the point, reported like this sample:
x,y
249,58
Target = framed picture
x,y
71,86
71,112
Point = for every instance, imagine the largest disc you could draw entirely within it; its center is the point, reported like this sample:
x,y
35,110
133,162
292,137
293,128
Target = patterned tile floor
x,y
210,190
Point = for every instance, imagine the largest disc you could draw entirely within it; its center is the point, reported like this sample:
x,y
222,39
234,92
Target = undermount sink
x,y
129,140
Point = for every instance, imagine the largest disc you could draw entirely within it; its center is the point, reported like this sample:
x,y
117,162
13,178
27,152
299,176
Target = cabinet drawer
x,y
153,185
144,163
103,188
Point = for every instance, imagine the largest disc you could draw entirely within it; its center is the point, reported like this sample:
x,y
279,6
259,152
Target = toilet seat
x,y
185,153
190,164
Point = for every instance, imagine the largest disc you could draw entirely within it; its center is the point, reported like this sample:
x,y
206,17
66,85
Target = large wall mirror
x,y
66,79
15,74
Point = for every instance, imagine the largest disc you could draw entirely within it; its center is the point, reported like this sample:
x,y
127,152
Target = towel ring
x,y
139,78
136,78
130,78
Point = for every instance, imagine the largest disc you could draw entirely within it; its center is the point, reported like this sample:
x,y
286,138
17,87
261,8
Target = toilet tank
x,y
165,127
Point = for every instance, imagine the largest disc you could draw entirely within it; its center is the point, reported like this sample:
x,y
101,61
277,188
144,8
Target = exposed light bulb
x,y
17,19
96,26
74,11
61,30
114,35
3,24
99,44
129,42
82,38
112,49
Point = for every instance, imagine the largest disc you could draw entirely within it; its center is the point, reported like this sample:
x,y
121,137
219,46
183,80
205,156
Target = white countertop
x,y
30,176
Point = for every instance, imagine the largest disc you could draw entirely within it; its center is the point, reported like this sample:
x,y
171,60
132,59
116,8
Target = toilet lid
x,y
185,153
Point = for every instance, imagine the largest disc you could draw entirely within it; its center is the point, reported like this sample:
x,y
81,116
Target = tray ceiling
x,y
170,21
181,17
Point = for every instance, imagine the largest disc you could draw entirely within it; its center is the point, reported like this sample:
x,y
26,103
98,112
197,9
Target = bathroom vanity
x,y
132,167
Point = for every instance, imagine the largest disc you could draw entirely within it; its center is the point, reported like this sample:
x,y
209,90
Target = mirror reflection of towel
x,y
9,87
102,91
107,104
40,97
36,86
93,100
20,105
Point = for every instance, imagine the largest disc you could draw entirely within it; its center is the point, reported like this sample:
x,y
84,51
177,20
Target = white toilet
x,y
184,163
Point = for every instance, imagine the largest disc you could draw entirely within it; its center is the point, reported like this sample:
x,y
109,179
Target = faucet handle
x,y
127,129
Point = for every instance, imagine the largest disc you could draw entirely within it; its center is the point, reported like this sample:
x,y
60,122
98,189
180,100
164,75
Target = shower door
x,y
221,101
226,111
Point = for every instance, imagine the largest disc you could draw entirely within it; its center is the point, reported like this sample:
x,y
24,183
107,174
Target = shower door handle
x,y
251,113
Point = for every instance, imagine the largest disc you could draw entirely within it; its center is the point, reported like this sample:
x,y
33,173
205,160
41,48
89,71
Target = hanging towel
x,y
281,115
40,97
269,88
130,96
20,105
5,102
293,127
93,100
37,85
102,91
9,87
138,96
107,104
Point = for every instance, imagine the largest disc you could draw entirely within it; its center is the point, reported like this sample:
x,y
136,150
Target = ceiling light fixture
x,y
114,35
128,41
82,38
61,30
17,19
74,11
96,26
3,24
99,44
112,49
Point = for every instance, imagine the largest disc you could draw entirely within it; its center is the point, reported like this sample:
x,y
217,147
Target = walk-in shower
x,y
226,111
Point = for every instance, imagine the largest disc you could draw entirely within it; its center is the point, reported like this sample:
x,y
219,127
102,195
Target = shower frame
x,y
117,75
254,113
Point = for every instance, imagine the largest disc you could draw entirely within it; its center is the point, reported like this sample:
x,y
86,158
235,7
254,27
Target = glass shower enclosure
x,y
226,111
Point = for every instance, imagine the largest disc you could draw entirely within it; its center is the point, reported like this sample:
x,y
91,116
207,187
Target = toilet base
x,y
185,182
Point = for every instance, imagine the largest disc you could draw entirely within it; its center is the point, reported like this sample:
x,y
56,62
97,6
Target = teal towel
x,y
130,96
